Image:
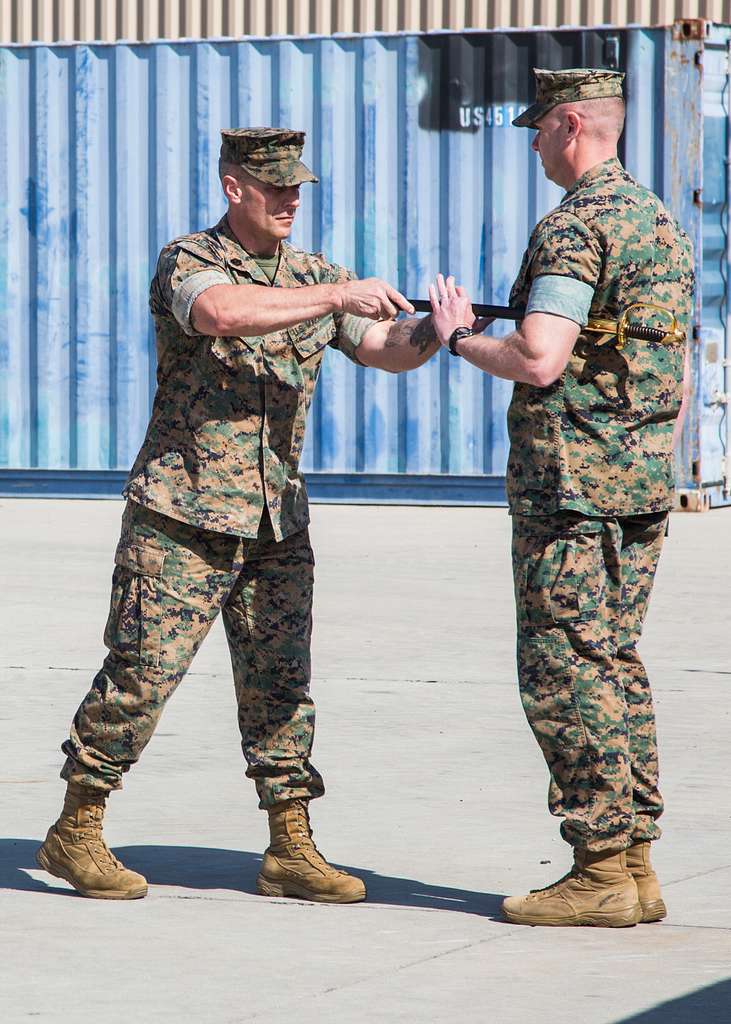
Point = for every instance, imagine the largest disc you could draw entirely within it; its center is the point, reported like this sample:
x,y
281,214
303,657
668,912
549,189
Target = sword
x,y
478,308
622,329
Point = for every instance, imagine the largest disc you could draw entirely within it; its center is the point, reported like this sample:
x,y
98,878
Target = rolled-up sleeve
x,y
188,290
561,296
350,332
349,329
564,261
184,272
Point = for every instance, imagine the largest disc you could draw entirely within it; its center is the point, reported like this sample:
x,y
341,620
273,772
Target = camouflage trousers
x,y
582,588
170,582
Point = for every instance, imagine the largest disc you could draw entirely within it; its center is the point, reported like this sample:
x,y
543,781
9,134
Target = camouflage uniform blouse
x,y
598,441
228,420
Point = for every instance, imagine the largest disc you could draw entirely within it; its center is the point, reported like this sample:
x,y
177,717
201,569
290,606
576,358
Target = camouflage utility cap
x,y
269,154
569,86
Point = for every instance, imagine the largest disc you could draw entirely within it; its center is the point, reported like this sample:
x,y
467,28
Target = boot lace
x,y
573,873
302,838
91,833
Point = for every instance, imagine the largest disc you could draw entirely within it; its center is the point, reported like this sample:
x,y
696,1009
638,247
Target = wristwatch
x,y
457,334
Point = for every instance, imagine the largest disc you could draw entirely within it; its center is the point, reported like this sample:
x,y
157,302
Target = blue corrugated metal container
x,y
111,150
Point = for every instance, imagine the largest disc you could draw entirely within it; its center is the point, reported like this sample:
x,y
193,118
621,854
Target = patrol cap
x,y
568,86
269,154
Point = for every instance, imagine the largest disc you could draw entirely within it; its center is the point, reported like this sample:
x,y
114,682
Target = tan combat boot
x,y
648,887
599,890
293,866
75,850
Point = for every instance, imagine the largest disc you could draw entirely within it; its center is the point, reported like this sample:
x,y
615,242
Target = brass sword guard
x,y
625,328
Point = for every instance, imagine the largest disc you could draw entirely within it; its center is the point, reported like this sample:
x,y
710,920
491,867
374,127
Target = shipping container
x,y
110,150
51,21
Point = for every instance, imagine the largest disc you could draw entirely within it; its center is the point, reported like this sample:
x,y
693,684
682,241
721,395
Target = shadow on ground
x,y
197,867
710,1005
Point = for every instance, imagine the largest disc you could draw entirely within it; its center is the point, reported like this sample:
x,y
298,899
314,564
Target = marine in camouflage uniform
x,y
217,521
590,483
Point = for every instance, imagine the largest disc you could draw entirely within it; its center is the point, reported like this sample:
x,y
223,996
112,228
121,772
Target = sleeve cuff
x,y
188,291
561,296
352,328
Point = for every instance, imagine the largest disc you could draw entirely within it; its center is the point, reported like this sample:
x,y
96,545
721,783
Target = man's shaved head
x,y
576,135
235,170
601,119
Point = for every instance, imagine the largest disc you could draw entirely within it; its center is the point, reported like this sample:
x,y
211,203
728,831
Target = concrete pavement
x,y
436,794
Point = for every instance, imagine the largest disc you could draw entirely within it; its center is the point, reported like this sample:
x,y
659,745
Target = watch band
x,y
457,334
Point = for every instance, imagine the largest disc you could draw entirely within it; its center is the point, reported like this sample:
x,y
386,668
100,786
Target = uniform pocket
x,y
134,626
548,695
312,335
235,353
561,580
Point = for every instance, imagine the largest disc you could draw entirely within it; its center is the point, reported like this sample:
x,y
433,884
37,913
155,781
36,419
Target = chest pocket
x,y
312,335
235,353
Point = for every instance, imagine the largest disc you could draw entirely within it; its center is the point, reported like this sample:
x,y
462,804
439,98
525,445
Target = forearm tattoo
x,y
417,332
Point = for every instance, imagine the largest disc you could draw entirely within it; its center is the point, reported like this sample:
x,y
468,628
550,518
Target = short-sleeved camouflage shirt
x,y
228,420
598,441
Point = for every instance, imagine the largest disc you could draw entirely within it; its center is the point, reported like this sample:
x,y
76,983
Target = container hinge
x,y
698,197
698,59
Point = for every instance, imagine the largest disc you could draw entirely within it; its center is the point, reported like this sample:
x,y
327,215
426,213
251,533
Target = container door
x,y
709,445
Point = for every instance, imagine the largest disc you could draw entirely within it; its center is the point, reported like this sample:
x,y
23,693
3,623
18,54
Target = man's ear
x,y
231,188
573,125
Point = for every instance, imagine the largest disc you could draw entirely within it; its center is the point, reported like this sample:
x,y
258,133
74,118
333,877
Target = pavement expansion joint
x,y
697,874
398,969
694,927
363,907
331,678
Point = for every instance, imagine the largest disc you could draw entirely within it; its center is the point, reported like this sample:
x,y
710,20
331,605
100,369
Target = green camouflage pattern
x,y
571,85
228,420
269,154
170,582
599,440
582,588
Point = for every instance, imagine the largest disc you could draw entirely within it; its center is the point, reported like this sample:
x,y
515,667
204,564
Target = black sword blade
x,y
478,308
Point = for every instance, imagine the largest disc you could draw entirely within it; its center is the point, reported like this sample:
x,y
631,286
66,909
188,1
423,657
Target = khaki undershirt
x,y
268,265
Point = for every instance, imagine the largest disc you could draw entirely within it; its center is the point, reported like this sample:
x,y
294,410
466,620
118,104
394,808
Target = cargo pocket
x,y
548,695
561,581
134,627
